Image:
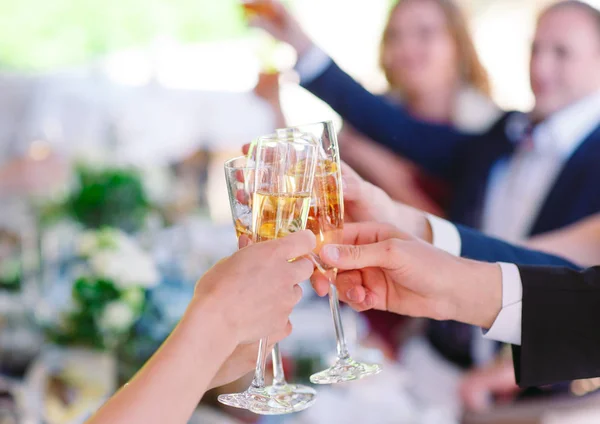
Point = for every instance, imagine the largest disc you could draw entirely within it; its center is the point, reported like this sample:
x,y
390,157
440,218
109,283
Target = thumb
x,y
244,241
361,256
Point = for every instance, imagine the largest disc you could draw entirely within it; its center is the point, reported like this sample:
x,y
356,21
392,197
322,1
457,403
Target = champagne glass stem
x,y
258,382
278,373
334,304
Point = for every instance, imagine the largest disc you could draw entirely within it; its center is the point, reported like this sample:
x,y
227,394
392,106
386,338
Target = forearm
x,y
393,174
477,293
170,385
472,244
579,242
478,246
436,148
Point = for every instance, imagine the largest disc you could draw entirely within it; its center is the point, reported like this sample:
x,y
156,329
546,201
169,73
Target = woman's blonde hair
x,y
471,70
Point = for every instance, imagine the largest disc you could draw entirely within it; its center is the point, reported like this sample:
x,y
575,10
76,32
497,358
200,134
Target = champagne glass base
x,y
298,396
271,401
345,370
236,400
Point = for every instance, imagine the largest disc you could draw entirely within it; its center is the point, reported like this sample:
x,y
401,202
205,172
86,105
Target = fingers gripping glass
x,y
269,198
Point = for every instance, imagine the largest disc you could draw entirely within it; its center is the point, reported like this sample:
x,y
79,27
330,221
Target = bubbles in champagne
x,y
276,215
325,219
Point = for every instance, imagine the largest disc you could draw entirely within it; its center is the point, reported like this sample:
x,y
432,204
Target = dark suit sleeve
x,y
475,245
560,330
436,148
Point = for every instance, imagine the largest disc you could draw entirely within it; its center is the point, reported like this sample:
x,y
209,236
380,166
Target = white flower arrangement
x,y
114,255
118,316
108,293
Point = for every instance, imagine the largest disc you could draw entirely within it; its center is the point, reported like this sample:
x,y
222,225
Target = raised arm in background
x,y
437,148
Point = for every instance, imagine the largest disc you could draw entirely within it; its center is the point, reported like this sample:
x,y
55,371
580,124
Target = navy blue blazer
x,y
477,246
464,160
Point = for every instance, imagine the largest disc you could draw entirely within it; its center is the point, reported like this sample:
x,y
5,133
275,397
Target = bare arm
x,y
232,306
170,385
579,242
393,174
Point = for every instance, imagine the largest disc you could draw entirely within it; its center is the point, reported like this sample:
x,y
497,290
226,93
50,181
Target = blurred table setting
x,y
113,205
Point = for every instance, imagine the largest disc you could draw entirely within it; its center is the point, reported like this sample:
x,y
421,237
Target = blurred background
x,y
115,120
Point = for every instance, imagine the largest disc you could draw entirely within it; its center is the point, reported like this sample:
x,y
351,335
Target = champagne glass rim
x,y
308,124
229,164
286,138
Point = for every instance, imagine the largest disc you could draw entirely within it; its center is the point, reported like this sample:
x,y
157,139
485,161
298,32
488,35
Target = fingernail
x,y
243,241
369,300
332,252
352,295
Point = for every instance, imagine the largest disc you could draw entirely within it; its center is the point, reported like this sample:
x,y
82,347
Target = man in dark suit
x,y
580,242
529,174
549,314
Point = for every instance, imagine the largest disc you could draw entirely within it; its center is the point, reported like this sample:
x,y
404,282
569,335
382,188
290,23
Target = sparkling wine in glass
x,y
270,200
326,221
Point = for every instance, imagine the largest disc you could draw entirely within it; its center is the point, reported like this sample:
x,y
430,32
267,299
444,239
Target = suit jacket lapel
x,y
557,209
481,157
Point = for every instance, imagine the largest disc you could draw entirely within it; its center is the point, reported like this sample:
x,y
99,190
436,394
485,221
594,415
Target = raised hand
x,y
282,25
257,287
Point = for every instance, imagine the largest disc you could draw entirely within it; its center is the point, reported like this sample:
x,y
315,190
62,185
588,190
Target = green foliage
x,y
83,325
44,34
109,198
80,330
10,274
93,294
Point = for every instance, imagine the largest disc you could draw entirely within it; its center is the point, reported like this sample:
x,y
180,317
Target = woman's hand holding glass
x,y
232,305
237,291
244,287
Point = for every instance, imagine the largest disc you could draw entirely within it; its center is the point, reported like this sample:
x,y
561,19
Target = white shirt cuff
x,y
312,64
507,326
445,235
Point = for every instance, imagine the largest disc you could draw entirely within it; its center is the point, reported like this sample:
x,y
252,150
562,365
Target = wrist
x,y
413,221
478,300
301,43
210,316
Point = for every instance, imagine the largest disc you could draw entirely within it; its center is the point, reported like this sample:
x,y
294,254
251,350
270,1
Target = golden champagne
x,y
277,215
325,218
241,228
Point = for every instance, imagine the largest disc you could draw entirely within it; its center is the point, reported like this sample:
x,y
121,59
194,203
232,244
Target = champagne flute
x,y
326,220
239,175
283,178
